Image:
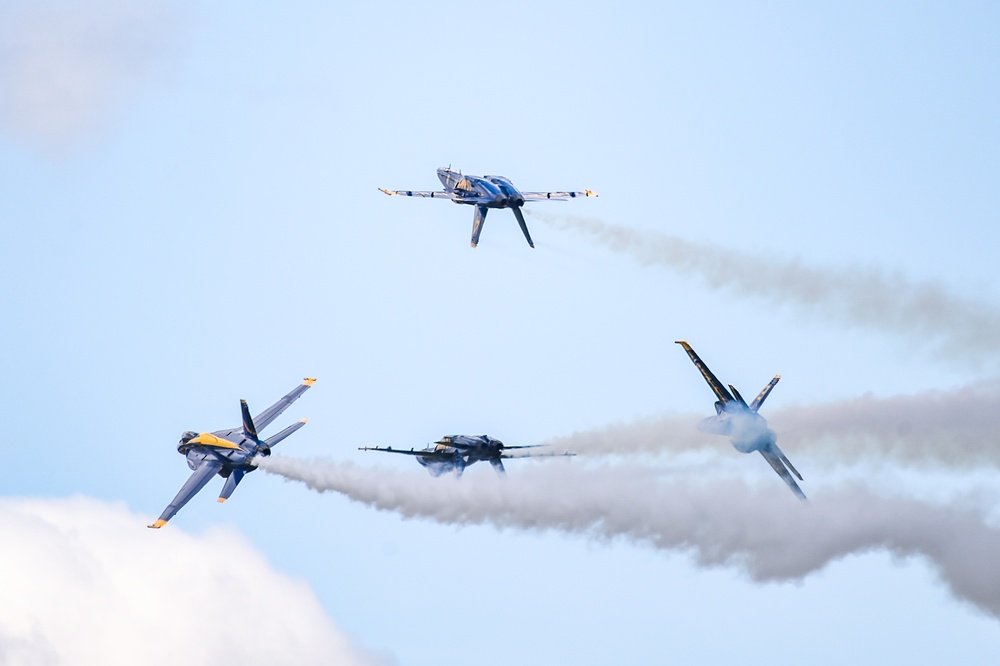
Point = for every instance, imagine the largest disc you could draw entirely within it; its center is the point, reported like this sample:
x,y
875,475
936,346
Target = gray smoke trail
x,y
765,532
958,428
867,297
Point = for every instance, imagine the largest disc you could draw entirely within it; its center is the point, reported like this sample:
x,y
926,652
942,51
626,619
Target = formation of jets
x,y
231,453
453,453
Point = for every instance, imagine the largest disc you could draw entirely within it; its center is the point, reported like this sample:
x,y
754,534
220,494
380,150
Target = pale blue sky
x,y
199,222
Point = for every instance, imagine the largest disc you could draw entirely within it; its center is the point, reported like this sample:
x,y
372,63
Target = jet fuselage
x,y
464,449
747,430
497,190
229,447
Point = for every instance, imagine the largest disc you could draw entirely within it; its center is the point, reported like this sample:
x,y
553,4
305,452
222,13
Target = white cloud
x,y
84,582
66,66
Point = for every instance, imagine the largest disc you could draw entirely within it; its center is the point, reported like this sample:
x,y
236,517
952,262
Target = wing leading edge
x,y
717,387
195,482
266,417
428,194
556,196
410,452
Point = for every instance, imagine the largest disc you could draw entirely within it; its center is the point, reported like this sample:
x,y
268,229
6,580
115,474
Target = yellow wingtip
x,y
309,381
158,524
221,500
591,193
304,421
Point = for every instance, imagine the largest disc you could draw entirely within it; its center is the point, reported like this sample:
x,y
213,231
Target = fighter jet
x,y
456,452
485,192
740,421
229,453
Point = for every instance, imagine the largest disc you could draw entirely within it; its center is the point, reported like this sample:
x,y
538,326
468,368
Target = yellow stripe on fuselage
x,y
208,439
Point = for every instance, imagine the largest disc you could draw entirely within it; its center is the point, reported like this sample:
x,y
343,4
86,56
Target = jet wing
x,y
429,194
195,482
720,391
423,453
762,396
266,417
556,196
777,460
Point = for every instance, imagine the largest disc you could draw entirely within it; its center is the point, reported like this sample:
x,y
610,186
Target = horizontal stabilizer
x,y
779,463
231,483
788,462
274,439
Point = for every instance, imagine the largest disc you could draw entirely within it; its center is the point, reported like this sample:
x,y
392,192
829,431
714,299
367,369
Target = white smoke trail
x,y
958,428
768,533
867,297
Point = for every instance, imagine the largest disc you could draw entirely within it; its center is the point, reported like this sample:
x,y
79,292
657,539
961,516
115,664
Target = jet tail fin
x,y
736,394
478,218
524,225
249,430
762,396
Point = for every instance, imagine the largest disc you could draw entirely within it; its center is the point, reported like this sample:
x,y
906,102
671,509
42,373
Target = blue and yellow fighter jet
x,y
229,453
740,421
453,453
485,192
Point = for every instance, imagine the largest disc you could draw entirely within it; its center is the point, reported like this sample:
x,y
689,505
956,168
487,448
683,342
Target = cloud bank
x,y
84,582
765,532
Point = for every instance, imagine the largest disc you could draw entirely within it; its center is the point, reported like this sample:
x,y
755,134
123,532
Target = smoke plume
x,y
958,429
65,67
767,533
961,328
